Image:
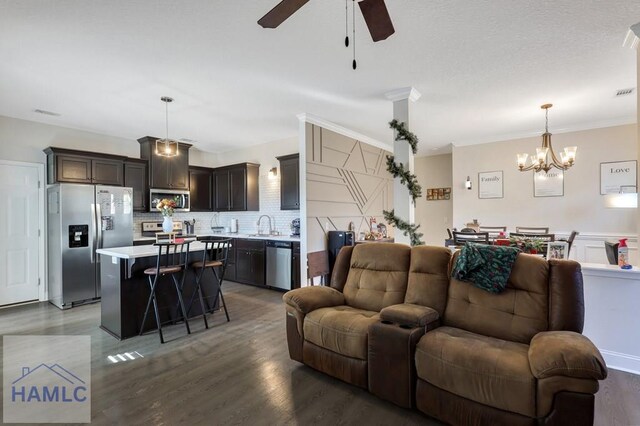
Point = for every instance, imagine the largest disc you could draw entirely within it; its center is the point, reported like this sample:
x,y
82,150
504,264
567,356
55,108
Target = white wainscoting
x,y
589,247
611,317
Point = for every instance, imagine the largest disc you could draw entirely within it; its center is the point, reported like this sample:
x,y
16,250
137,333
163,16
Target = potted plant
x,y
527,245
166,207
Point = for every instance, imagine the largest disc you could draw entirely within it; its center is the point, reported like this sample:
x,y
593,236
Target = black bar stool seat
x,y
214,258
172,260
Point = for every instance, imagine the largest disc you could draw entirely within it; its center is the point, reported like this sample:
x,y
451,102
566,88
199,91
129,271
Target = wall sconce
x,y
467,184
273,173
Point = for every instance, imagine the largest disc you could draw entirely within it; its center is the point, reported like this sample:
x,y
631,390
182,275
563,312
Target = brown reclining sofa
x,y
395,323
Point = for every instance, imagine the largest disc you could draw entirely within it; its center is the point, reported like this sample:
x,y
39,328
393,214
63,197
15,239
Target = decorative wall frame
x,y
490,185
437,194
548,184
616,175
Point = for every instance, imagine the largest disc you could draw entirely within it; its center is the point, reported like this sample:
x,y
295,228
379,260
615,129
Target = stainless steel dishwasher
x,y
279,264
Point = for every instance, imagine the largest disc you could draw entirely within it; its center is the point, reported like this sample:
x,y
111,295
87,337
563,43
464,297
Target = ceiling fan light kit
x,y
374,12
540,160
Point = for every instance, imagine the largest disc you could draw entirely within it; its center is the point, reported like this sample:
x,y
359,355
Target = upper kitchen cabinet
x,y
135,176
289,182
166,172
236,188
71,166
201,189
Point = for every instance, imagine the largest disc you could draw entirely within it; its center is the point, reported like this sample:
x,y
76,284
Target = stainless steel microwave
x,y
182,198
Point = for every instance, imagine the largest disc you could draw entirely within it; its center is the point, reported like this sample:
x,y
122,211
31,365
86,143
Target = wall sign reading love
x,y
617,177
490,185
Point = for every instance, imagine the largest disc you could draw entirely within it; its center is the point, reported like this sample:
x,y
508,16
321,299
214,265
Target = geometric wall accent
x,y
347,182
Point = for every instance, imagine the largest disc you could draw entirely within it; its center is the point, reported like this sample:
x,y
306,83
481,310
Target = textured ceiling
x,y
483,68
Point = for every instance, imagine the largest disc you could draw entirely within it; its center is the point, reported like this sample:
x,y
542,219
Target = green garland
x,y
406,178
405,135
406,228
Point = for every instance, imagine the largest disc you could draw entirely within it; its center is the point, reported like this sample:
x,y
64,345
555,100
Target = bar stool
x,y
214,257
172,259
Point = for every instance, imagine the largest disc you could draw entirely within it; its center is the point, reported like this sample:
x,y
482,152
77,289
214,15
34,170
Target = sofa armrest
x,y
565,353
307,299
409,314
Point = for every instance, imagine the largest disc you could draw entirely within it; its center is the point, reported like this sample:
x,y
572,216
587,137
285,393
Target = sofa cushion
x,y
341,329
377,276
429,277
517,314
487,370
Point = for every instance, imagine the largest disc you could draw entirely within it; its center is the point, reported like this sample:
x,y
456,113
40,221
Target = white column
x,y
403,205
633,41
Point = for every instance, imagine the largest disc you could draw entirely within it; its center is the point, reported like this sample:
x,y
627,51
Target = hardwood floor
x,y
238,372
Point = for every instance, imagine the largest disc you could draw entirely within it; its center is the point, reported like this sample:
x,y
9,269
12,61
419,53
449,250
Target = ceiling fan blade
x,y
377,17
280,13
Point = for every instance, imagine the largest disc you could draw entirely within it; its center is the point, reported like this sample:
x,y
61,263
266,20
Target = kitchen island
x,y
125,290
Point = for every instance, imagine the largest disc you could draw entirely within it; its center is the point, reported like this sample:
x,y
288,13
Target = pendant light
x,y
545,158
166,147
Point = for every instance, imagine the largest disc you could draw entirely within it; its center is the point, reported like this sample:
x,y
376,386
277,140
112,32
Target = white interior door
x,y
19,240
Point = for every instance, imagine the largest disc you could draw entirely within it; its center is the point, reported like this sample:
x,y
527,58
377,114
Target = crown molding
x,y
326,124
632,40
574,128
403,93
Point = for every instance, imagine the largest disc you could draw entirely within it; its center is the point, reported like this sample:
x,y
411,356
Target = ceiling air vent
x,y
624,92
45,112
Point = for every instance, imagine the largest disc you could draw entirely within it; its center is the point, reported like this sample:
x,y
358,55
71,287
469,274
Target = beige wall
x,y
434,217
264,154
346,181
22,140
581,208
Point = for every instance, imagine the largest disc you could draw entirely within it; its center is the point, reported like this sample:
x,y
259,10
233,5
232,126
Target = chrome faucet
x,y
258,223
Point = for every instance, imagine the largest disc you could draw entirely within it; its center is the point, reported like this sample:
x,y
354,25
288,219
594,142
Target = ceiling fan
x,y
374,12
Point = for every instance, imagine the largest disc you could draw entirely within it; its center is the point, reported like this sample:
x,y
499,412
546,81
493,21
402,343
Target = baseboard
x,y
623,362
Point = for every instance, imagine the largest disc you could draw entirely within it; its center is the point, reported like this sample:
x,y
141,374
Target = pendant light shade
x,y
166,147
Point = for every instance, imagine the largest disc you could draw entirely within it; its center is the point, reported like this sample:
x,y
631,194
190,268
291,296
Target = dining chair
x,y
460,238
569,240
172,259
214,257
532,230
530,235
494,231
318,266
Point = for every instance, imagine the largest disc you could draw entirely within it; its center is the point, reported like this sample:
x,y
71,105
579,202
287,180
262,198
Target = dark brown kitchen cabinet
x,y
71,166
201,189
135,177
250,262
166,172
236,188
296,279
289,182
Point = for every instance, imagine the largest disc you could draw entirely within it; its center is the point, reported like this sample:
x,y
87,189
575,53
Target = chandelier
x,y
166,147
540,160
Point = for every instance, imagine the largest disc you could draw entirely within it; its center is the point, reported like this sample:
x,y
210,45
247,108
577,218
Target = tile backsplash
x,y
269,205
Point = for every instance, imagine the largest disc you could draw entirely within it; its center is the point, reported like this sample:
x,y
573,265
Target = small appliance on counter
x,y
295,228
233,226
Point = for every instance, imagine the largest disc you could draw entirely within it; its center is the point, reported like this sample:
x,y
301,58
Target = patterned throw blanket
x,y
486,267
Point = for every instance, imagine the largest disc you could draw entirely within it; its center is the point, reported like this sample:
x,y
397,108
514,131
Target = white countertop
x,y
243,236
134,252
614,271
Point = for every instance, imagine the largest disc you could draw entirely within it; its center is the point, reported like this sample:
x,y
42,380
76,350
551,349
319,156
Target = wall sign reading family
x,y
490,185
548,184
618,176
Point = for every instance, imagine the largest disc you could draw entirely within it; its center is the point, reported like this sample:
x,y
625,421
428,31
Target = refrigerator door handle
x,y
92,233
99,228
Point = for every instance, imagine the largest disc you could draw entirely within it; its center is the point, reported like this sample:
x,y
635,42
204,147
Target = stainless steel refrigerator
x,y
81,219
